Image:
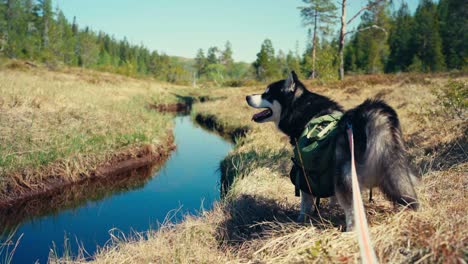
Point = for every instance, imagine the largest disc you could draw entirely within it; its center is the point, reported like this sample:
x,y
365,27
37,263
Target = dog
x,y
380,155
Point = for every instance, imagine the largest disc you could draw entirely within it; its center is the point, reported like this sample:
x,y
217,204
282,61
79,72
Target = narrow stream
x,y
189,180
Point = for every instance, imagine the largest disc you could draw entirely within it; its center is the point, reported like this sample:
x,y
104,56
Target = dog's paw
x,y
301,218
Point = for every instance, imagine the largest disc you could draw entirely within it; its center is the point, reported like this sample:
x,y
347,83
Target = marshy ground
x,y
254,223
65,124
62,127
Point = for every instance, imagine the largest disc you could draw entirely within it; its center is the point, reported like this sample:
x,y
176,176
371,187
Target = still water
x,y
189,180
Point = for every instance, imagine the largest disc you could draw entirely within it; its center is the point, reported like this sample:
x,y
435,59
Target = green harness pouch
x,y
315,154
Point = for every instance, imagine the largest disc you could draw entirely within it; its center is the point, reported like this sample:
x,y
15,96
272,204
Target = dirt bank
x,y
171,108
212,123
18,192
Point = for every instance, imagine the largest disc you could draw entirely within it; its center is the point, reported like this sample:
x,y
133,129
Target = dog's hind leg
x,y
398,186
344,195
307,205
332,201
343,182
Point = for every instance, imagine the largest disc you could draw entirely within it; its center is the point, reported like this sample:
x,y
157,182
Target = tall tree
x,y
318,14
426,38
344,32
212,55
454,32
401,53
369,45
226,55
14,28
266,64
3,26
293,62
200,62
47,18
31,47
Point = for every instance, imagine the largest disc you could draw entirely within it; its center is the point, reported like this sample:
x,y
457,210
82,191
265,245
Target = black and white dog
x,y
379,149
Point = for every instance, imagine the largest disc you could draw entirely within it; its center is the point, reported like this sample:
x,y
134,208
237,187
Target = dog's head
x,y
275,99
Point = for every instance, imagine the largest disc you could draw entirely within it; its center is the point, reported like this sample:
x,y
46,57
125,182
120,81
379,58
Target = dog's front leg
x,y
307,205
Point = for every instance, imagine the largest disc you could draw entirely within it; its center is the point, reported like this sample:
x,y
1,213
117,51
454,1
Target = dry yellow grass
x,y
253,224
64,124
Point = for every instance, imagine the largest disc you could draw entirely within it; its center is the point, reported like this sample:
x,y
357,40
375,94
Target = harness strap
x,y
360,221
302,167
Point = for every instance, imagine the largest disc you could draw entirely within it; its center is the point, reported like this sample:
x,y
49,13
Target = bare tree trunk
x,y
314,45
45,33
9,29
342,38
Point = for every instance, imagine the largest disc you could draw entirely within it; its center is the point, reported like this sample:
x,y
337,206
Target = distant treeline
x,y
34,30
433,39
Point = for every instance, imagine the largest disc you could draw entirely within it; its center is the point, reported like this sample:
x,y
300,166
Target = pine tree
x,y
281,62
63,40
200,63
454,32
31,46
401,54
47,17
212,55
369,43
14,28
318,14
344,32
89,52
426,38
266,67
226,55
294,64
327,63
3,26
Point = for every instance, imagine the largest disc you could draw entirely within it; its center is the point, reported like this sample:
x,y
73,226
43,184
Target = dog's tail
x,y
385,152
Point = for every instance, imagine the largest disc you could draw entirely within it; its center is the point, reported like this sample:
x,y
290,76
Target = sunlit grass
x,y
254,221
56,124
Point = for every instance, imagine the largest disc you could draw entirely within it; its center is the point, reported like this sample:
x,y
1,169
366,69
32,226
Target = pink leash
x,y
360,221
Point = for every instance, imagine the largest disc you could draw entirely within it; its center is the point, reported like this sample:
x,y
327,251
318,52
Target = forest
x,y
388,39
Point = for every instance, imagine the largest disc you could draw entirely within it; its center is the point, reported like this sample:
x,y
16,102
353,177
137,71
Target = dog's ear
x,y
290,83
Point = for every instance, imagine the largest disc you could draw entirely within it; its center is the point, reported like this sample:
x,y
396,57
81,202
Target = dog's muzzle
x,y
256,101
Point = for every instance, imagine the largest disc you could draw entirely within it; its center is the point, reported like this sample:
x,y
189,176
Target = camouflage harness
x,y
314,156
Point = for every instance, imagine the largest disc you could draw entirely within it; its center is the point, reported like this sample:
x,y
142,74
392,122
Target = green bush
x,y
454,97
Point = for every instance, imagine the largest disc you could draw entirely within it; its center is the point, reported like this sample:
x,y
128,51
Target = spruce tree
x,y
47,17
212,55
426,38
32,40
401,53
318,14
453,16
369,44
266,67
226,55
293,63
3,26
200,62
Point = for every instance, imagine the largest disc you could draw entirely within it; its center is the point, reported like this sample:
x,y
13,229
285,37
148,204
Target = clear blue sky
x,y
181,27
